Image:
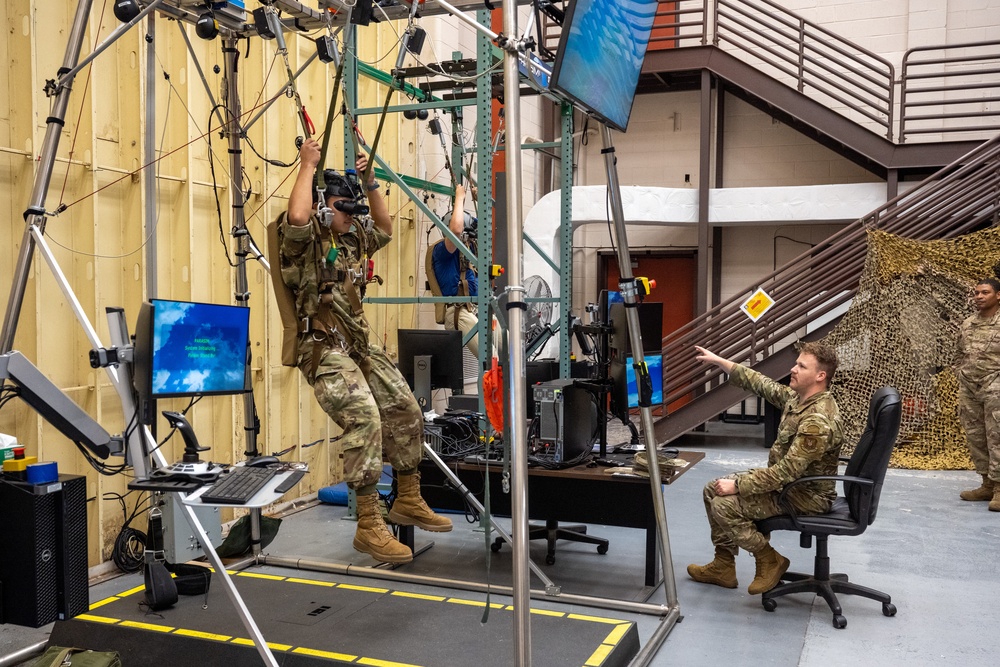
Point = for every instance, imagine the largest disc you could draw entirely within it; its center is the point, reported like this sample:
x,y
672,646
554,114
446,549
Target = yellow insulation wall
x,y
99,240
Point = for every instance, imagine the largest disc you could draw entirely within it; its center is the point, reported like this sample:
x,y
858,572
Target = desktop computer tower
x,y
43,570
566,419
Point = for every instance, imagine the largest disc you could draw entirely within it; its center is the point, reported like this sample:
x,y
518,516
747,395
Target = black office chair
x,y
851,513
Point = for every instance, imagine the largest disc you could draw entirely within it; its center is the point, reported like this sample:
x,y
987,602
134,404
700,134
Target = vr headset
x,y
470,226
338,185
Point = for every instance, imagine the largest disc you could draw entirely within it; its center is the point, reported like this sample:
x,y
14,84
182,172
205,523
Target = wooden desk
x,y
578,495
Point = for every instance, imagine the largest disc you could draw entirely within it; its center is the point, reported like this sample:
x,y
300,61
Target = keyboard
x,y
238,485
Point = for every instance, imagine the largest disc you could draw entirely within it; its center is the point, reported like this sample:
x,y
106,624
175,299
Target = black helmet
x,y
337,185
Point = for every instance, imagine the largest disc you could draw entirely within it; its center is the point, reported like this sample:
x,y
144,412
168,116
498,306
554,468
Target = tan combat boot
x,y
984,492
995,503
409,508
770,566
721,571
373,537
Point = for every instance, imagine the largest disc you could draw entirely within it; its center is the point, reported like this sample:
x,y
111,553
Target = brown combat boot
x,y
409,508
984,492
995,503
770,566
373,537
721,571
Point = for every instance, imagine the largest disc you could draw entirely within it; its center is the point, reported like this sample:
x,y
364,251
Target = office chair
x,y
851,513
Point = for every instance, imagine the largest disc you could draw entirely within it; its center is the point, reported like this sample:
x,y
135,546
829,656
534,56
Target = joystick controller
x,y
190,464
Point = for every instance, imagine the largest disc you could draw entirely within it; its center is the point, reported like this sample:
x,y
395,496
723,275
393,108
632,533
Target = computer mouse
x,y
262,461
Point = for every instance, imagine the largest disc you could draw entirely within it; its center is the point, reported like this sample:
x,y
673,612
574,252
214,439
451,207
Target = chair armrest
x,y
790,511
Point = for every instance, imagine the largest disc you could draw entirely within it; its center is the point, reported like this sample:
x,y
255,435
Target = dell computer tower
x,y
566,421
43,570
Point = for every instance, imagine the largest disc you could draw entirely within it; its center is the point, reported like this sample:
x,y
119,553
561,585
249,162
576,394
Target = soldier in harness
x,y
449,273
324,249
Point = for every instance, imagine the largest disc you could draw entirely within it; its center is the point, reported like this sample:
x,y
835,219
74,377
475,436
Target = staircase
x,y
829,88
960,198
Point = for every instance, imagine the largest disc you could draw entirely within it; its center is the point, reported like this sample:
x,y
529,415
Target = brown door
x,y
675,289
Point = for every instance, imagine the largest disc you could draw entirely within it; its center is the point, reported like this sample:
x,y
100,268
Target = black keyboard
x,y
238,485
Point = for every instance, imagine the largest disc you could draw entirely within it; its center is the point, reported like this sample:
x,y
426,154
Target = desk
x,y
579,494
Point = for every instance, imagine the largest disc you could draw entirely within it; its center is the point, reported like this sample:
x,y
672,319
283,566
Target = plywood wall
x,y
100,241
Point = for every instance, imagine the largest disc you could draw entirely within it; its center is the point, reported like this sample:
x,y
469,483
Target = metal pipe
x,y
35,214
201,75
508,9
22,655
472,500
396,575
67,78
149,158
646,653
514,376
626,286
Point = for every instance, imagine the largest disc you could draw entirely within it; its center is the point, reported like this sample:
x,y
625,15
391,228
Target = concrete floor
x,y
935,555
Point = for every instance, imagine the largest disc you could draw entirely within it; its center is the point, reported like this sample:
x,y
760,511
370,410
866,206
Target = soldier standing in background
x,y
978,372
809,439
324,262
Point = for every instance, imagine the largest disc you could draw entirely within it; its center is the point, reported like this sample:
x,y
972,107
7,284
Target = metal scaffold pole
x,y
515,318
627,286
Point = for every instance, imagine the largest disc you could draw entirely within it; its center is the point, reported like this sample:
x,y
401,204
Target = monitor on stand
x,y
431,359
186,350
625,393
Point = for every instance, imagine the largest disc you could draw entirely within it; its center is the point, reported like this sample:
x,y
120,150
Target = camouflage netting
x,y
902,330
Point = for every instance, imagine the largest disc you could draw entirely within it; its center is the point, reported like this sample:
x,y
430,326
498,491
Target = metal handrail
x,y
686,15
952,202
979,59
819,61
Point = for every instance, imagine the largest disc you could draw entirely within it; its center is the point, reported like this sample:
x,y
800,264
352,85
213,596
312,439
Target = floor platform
x,y
314,622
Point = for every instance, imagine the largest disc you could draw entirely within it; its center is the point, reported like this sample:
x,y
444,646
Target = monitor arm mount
x,y
55,407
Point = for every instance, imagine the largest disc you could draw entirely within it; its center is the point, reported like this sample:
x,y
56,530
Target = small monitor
x,y
600,56
654,363
625,393
186,349
444,349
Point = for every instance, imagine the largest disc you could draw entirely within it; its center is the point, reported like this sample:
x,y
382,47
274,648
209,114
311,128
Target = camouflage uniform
x,y
979,392
355,383
809,439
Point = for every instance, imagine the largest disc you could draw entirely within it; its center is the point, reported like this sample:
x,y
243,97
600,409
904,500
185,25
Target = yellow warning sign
x,y
758,304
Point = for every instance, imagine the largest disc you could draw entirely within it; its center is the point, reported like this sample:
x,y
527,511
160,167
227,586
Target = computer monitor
x,y
431,359
650,327
624,390
600,56
186,349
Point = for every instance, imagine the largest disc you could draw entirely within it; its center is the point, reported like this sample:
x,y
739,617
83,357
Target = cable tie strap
x,y
55,119
63,70
235,151
33,210
517,304
605,151
244,296
229,49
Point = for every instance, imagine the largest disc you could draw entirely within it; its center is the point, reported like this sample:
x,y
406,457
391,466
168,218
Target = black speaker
x,y
43,572
650,326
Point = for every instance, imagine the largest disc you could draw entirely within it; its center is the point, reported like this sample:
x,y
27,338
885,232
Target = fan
x,y
539,315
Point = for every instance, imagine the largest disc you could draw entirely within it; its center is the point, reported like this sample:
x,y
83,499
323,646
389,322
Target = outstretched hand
x,y
711,358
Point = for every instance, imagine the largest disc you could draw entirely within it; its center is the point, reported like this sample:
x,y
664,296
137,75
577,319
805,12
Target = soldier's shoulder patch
x,y
814,425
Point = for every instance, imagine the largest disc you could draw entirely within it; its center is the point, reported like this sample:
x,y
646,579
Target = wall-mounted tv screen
x,y
600,56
